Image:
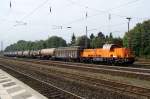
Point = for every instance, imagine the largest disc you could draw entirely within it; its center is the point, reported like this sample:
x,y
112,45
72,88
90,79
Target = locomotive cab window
x,y
113,47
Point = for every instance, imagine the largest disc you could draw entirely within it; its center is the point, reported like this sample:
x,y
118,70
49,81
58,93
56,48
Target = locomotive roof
x,y
110,46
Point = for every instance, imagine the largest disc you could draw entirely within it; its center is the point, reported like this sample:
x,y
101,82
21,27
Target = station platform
x,y
11,88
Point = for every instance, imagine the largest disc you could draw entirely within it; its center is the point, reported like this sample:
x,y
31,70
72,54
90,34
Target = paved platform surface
x,y
11,88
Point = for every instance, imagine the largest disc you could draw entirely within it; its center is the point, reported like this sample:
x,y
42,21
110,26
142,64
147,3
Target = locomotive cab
x,y
110,49
119,54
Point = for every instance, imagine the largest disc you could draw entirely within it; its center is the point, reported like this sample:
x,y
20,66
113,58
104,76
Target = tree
x,y
106,39
91,40
54,42
110,38
118,41
36,45
92,36
73,40
98,41
81,41
125,41
101,35
139,38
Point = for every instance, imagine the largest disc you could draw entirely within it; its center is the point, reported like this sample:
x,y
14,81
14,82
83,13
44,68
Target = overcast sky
x,y
32,19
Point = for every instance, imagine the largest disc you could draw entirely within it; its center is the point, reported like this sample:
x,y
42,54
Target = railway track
x,y
139,73
133,68
49,90
93,82
142,70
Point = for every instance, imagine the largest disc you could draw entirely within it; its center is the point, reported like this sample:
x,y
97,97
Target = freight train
x,y
110,53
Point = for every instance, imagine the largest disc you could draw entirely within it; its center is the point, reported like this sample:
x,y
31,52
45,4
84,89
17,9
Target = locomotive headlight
x,y
114,56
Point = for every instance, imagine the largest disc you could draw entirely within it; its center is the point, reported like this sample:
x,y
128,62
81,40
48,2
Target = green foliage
x,y
73,40
139,39
54,42
81,41
117,41
110,39
51,42
92,36
125,41
98,41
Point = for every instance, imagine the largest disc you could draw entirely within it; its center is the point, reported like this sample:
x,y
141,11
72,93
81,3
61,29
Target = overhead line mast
x,y
86,30
10,4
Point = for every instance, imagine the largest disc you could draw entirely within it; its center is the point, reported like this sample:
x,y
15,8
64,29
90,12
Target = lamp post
x,y
69,27
129,37
129,19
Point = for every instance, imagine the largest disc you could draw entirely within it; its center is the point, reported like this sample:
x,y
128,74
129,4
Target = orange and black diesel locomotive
x,y
110,53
